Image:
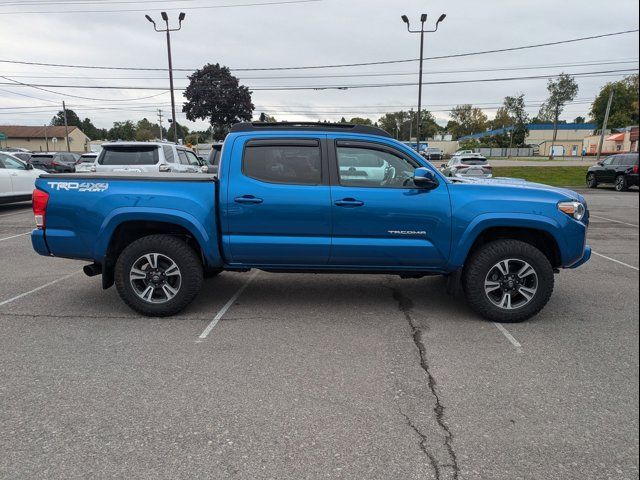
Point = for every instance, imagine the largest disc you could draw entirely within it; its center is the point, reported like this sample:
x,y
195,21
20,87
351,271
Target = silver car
x,y
86,162
147,157
467,166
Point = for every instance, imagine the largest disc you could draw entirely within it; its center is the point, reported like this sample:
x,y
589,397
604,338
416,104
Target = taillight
x,y
635,169
39,202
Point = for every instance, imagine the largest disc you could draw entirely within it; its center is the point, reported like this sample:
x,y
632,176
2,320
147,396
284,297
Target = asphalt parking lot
x,y
320,376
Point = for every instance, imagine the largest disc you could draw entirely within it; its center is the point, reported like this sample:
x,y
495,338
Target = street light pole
x,y
168,31
422,31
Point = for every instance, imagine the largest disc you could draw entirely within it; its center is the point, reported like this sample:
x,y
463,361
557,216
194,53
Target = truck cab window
x,y
297,165
365,167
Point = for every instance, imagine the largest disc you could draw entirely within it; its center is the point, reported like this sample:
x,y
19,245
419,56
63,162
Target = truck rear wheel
x,y
158,275
508,281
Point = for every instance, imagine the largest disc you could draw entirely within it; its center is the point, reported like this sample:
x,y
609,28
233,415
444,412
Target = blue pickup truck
x,y
313,198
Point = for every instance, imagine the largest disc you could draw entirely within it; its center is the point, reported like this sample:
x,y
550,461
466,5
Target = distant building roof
x,y
23,131
616,137
532,126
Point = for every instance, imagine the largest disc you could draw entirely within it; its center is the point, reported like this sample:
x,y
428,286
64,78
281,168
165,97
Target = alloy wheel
x,y
511,283
155,278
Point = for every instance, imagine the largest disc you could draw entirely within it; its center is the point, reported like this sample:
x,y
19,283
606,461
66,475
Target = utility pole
x,y
422,31
160,120
66,126
604,125
168,31
46,137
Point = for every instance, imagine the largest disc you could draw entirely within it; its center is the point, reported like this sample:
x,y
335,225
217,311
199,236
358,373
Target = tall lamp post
x,y
422,31
168,31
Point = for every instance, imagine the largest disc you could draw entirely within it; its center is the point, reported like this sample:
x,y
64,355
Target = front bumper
x,y
586,255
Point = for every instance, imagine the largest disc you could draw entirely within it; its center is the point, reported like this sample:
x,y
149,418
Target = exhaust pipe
x,y
92,270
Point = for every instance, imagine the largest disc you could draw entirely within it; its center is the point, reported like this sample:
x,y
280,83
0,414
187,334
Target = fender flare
x,y
118,216
460,249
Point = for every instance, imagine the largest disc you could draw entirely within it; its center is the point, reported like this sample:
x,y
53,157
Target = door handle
x,y
248,199
349,202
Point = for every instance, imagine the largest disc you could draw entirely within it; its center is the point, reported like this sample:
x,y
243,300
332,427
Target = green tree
x,y
216,95
467,119
183,131
72,119
122,131
360,121
624,106
91,131
515,108
561,91
502,119
264,117
579,120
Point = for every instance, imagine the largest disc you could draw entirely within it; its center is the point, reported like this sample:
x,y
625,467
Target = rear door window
x,y
182,155
291,164
192,158
168,154
135,155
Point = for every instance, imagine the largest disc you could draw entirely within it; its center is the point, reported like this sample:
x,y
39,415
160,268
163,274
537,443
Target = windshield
x,y
87,159
133,155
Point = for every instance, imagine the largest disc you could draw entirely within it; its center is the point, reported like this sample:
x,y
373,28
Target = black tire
x,y
621,184
168,247
591,181
482,263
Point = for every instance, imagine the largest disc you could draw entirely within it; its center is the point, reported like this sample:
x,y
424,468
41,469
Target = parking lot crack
x,y
406,305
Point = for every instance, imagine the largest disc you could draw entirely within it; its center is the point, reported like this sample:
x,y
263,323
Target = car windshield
x,y
129,155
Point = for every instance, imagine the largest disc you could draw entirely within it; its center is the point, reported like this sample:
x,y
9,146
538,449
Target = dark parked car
x,y
214,158
620,170
54,162
432,153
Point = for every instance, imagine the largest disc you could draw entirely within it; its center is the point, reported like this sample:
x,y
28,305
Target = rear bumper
x,y
39,243
632,179
586,255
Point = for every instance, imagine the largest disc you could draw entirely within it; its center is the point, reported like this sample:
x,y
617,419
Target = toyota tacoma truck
x,y
313,198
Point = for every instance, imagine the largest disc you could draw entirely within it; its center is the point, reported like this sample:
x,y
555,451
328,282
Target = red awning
x,y
616,137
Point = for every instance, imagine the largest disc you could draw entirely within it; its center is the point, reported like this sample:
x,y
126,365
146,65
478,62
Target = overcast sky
x,y
306,34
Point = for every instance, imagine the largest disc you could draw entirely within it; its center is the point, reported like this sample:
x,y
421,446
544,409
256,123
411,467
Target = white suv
x,y
146,157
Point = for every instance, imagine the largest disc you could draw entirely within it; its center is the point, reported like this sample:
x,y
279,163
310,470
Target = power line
x,y
357,75
285,2
384,62
319,87
40,87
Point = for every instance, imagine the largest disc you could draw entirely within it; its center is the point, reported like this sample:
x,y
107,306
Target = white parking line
x,y
15,236
509,337
226,307
614,260
614,221
17,297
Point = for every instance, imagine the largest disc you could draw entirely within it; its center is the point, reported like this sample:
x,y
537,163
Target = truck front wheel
x,y
158,275
508,281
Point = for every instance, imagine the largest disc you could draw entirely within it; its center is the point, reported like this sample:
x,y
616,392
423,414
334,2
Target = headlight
x,y
573,209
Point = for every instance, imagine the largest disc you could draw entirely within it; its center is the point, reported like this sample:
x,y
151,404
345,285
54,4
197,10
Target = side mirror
x,y
443,165
28,166
424,178
204,169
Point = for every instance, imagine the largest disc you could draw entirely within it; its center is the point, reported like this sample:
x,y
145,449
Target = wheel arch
x,y
541,232
121,229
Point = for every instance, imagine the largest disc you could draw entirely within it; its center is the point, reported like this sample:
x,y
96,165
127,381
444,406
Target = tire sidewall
x,y
484,260
173,248
591,181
